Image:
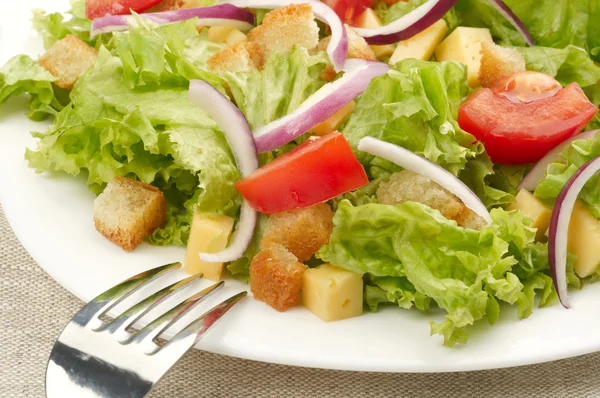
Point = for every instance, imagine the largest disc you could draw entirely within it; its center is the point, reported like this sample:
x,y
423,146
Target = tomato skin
x,y
516,132
314,172
348,10
100,8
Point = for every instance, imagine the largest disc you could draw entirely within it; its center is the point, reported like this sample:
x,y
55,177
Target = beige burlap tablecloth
x,y
34,308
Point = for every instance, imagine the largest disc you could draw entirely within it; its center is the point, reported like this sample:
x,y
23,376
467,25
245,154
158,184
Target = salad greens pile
x,y
129,116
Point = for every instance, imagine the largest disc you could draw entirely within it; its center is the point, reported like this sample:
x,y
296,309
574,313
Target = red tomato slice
x,y
348,10
518,127
314,172
101,8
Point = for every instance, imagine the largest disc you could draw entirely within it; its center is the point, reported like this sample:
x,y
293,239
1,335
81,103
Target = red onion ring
x,y
510,16
538,172
219,15
415,163
558,234
239,137
408,25
320,106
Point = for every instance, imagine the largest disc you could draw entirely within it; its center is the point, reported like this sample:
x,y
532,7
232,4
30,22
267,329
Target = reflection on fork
x,y
98,356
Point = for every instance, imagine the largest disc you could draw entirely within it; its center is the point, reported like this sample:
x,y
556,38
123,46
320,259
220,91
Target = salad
x,y
435,155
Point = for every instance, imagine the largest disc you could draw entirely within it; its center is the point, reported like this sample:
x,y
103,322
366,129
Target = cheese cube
x,y
235,36
535,209
332,293
208,234
218,34
370,20
422,45
464,45
584,239
335,121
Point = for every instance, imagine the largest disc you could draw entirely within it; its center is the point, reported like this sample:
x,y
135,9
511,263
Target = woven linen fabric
x,y
34,308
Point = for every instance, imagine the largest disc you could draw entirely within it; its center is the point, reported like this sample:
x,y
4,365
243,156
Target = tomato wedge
x,y
522,119
348,10
101,8
316,171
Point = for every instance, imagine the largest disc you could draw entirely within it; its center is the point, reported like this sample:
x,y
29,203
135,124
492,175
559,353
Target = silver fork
x,y
101,357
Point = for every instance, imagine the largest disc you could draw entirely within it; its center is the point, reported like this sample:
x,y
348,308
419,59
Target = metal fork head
x,y
95,357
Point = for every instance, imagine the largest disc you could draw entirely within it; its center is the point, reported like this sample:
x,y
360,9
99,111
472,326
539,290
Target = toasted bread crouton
x,y
301,231
498,62
167,5
68,59
240,57
276,277
128,211
406,186
284,28
357,46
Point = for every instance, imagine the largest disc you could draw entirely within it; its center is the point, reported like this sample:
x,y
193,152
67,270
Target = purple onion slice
x,y
558,233
320,106
219,15
239,137
415,163
538,172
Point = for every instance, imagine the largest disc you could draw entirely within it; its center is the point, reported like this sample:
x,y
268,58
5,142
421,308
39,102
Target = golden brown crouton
x,y
357,46
498,62
128,211
68,59
301,231
285,27
276,277
407,186
240,57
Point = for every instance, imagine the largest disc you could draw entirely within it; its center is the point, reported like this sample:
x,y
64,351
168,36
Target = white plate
x,y
52,216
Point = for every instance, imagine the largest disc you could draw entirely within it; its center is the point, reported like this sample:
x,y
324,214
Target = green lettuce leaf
x,y
286,81
413,254
415,106
21,74
155,135
54,26
572,158
552,23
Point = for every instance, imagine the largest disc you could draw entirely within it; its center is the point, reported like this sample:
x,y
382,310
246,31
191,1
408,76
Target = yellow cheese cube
x,y
370,20
208,234
535,209
218,34
235,36
584,239
422,45
464,45
332,293
335,121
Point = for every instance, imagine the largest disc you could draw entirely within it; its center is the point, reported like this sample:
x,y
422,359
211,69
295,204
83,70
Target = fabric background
x,y
34,308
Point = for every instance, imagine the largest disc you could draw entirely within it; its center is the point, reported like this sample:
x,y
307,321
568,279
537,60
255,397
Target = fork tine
x,y
194,331
159,325
124,321
106,301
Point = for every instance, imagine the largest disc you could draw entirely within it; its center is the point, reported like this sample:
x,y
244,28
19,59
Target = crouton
x,y
301,231
357,46
167,5
407,186
498,62
284,28
240,57
128,211
68,59
276,277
